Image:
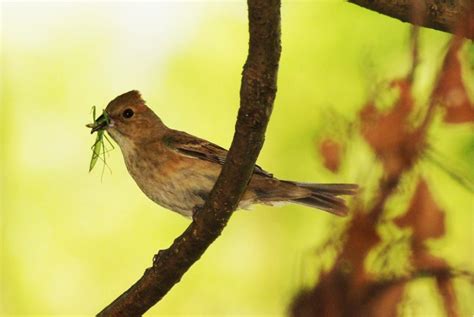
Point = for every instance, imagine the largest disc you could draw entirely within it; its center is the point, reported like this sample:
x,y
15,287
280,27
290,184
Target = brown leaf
x,y
423,260
389,133
427,220
450,90
423,215
331,152
362,236
446,289
384,299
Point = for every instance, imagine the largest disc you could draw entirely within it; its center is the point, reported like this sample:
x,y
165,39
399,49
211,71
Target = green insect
x,y
99,146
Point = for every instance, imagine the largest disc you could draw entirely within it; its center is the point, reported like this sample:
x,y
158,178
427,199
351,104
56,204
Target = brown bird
x,y
177,170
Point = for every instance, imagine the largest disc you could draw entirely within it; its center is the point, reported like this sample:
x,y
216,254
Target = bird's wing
x,y
192,146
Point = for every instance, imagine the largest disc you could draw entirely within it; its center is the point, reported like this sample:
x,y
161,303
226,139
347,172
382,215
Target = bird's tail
x,y
325,196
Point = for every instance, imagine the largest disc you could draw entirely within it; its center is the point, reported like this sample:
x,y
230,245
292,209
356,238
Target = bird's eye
x,y
127,113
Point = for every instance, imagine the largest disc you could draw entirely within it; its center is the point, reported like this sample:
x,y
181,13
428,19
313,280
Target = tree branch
x,y
455,16
258,90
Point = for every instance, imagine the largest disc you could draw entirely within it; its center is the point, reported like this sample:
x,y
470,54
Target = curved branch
x,y
449,16
258,90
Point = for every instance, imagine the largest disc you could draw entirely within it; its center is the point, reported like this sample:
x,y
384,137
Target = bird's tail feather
x,y
325,196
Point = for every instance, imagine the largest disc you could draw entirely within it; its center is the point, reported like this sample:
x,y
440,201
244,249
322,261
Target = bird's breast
x,y
173,181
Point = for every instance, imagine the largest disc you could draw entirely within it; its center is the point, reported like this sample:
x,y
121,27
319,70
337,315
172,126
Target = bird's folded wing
x,y
192,146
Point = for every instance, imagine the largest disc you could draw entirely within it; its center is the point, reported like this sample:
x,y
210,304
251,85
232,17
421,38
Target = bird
x,y
177,170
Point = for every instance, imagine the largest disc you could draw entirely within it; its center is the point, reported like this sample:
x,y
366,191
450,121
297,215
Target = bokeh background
x,y
71,241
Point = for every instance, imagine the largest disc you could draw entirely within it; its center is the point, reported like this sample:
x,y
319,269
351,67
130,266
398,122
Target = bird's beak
x,y
100,123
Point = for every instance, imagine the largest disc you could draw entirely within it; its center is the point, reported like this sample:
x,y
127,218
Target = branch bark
x,y
455,16
258,90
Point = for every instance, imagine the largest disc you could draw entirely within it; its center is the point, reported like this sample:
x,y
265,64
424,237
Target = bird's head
x,y
128,120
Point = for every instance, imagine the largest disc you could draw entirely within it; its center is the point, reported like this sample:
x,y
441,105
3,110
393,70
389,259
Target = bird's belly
x,y
180,194
178,187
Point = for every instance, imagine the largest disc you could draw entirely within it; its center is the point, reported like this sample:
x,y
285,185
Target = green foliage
x,y
98,148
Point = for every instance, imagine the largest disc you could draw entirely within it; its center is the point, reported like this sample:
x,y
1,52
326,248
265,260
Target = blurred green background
x,y
71,242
